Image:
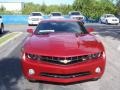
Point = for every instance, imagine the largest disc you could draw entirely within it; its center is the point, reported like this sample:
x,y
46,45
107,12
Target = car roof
x,y
59,20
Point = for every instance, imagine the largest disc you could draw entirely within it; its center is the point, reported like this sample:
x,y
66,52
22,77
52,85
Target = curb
x,y
17,35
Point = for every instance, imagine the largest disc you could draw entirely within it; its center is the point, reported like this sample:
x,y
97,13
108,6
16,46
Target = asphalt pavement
x,y
11,77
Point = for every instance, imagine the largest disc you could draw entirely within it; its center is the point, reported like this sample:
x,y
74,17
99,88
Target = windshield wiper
x,y
45,31
79,33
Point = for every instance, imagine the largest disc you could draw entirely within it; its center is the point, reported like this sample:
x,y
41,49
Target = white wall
x,y
12,6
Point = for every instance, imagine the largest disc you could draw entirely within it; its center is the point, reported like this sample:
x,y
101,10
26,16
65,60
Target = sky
x,y
47,2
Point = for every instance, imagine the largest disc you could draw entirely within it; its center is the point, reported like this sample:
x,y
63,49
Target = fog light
x,y
98,70
31,71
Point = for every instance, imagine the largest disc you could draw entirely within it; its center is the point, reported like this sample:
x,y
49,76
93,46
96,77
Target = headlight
x,y
32,56
91,56
96,55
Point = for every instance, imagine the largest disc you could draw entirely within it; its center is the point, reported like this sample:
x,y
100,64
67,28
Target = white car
x,y
1,25
35,18
56,15
77,15
109,19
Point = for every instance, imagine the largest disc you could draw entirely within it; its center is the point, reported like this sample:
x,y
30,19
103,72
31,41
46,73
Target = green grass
x,y
7,36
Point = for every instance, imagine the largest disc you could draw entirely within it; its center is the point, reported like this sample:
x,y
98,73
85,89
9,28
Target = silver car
x,y
77,15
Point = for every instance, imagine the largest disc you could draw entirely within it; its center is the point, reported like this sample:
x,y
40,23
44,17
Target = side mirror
x,y
30,30
90,30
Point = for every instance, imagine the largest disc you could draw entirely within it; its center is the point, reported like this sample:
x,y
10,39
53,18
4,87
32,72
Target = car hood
x,y
62,44
34,17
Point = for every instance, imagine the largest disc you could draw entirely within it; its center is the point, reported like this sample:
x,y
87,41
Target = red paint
x,y
90,29
30,30
62,45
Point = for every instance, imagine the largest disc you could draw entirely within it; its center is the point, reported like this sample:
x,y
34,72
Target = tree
x,y
118,7
94,8
2,8
43,7
30,7
89,8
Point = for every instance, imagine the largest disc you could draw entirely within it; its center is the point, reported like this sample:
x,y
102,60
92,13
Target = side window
x,y
105,16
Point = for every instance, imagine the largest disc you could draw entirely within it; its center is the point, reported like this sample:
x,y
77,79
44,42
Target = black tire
x,y
33,81
29,25
101,21
106,22
2,28
95,79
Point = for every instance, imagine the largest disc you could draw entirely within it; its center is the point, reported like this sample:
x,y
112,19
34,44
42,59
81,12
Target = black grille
x,y
65,76
114,19
79,18
35,19
63,60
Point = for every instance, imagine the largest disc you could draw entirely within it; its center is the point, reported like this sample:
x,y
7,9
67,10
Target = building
x,y
12,6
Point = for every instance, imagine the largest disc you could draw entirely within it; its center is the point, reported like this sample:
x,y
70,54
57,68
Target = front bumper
x,y
63,73
113,22
30,22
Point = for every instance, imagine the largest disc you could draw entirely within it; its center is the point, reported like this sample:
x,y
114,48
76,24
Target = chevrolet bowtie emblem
x,y
65,61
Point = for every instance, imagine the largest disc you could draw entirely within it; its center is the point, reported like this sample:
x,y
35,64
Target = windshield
x,y
75,13
53,26
110,15
36,14
56,14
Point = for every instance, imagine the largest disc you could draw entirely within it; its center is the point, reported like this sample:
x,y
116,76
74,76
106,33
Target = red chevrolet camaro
x,y
62,51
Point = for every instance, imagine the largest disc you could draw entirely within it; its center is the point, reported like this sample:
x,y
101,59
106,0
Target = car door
x,y
104,19
101,18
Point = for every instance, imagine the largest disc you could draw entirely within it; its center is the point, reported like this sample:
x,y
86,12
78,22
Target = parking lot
x,y
11,77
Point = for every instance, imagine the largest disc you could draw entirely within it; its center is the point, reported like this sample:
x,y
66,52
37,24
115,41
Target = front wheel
x,y
101,21
106,22
32,81
29,24
95,79
2,28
